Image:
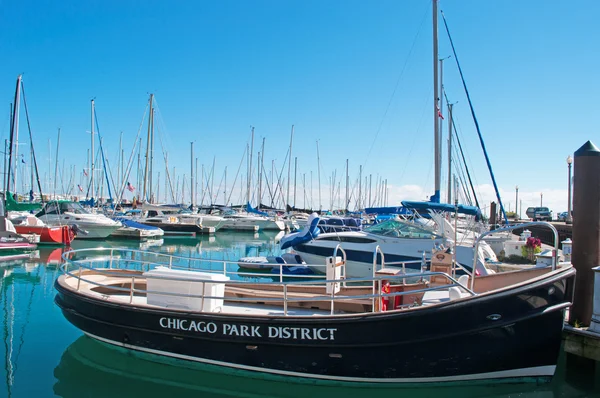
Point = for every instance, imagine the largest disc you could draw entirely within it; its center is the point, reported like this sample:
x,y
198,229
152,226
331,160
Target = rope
x,y
487,159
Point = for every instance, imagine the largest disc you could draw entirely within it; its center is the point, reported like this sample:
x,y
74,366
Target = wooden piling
x,y
586,231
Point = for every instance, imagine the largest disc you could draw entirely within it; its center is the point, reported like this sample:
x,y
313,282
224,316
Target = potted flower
x,y
531,248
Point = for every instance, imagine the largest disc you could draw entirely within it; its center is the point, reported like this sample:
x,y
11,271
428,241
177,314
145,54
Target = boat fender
x,y
385,289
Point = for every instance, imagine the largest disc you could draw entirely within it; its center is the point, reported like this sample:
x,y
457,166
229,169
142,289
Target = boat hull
x,y
512,335
49,235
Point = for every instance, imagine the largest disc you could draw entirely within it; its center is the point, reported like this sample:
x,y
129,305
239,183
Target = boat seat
x,y
454,293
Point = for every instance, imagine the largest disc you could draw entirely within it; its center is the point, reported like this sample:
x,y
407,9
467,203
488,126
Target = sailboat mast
x,y
6,161
260,173
250,167
289,167
55,165
436,109
347,187
450,153
319,175
14,136
295,176
92,154
120,160
359,187
151,173
192,174
148,141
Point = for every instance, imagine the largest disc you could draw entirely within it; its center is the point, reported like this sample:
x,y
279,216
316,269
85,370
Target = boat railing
x,y
76,268
510,228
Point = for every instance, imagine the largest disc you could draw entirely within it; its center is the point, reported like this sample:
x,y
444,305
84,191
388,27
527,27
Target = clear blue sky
x,y
330,68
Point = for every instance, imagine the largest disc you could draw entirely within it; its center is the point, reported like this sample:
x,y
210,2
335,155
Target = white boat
x,y
401,242
184,216
269,262
249,222
135,230
88,225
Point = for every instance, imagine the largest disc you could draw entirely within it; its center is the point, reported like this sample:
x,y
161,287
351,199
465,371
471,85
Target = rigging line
x,y
107,171
131,157
465,163
460,172
456,137
468,158
397,84
236,176
31,143
475,120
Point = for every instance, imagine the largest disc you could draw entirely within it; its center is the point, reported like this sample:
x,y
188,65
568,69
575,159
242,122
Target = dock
x,y
581,342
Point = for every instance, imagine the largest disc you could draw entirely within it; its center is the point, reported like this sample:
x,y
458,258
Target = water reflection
x,y
94,369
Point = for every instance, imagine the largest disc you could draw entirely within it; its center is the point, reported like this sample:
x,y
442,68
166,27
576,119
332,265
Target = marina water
x,y
45,356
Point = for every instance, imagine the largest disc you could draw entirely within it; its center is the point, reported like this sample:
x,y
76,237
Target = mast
x,y
166,176
450,153
196,182
319,175
359,186
436,137
225,187
92,152
55,164
260,173
5,162
370,184
347,187
250,167
295,176
14,136
148,143
192,174
150,183
289,167
119,160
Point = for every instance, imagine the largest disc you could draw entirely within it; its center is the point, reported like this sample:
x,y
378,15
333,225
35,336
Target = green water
x,y
45,356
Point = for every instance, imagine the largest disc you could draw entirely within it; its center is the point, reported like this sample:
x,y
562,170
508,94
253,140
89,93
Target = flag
x,y
439,112
80,189
130,187
85,173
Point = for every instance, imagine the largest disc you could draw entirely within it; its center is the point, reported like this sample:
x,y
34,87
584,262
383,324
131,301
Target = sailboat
x,y
10,197
401,240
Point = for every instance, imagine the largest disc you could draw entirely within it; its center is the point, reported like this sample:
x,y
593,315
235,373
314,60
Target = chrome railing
x,y
75,268
510,228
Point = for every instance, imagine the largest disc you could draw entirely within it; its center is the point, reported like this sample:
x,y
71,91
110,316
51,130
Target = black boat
x,y
504,326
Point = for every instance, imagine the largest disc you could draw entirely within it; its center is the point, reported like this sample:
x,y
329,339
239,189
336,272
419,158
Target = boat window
x,y
348,239
400,229
51,208
72,207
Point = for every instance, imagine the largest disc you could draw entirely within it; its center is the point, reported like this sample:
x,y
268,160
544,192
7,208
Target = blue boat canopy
x,y
388,210
251,209
462,209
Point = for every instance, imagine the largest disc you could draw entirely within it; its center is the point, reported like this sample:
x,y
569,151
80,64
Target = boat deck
x,y
232,308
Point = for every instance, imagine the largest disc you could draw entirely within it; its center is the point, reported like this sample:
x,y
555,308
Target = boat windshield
x,y
72,207
400,229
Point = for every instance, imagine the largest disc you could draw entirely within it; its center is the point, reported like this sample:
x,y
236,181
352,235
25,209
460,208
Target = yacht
x,y
88,225
251,222
400,241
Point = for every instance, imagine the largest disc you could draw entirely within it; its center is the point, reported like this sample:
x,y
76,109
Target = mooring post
x,y
586,230
595,325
